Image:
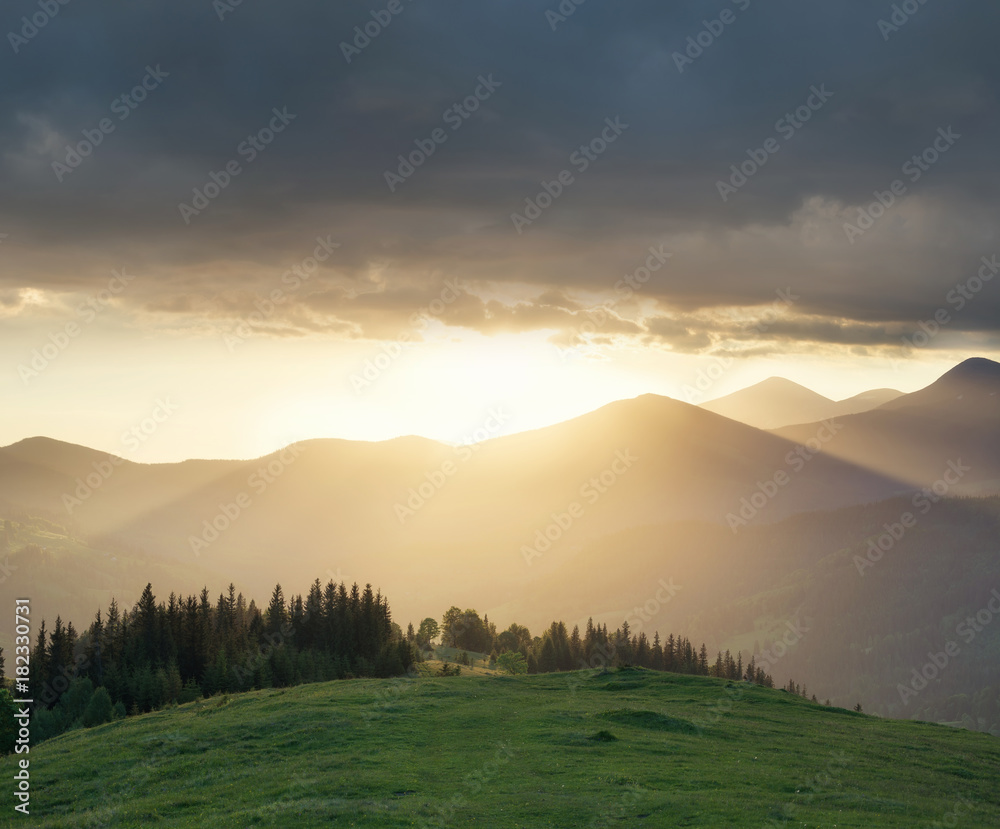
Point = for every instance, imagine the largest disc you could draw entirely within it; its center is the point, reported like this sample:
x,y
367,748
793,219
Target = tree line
x,y
186,648
558,649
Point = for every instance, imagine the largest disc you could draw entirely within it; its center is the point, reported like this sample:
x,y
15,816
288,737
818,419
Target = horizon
x,y
391,242
470,437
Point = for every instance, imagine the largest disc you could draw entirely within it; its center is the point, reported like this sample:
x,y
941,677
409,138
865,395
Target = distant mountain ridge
x,y
915,438
590,515
777,402
976,381
423,519
411,512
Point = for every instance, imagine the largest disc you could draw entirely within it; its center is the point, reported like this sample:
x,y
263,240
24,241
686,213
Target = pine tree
x,y
656,656
204,639
312,623
145,617
297,618
547,658
39,665
275,614
589,641
112,629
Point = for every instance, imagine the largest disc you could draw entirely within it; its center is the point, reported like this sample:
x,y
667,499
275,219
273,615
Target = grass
x,y
626,748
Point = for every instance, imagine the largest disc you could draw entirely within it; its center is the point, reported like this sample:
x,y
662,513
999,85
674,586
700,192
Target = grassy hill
x,y
625,748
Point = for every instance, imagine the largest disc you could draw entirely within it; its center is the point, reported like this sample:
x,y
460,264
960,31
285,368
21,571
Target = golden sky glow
x,y
268,392
252,298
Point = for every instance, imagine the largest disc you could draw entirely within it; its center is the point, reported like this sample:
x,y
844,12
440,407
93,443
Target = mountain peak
x,y
975,369
56,455
778,380
976,380
774,402
771,386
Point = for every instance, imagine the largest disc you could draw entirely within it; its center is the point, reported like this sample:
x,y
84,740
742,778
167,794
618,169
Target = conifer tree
x,y
276,616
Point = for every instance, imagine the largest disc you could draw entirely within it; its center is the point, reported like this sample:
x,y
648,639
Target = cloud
x,y
324,174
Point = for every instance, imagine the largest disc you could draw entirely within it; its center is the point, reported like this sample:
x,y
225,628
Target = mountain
x,y
410,514
864,402
68,577
589,516
771,403
919,438
778,402
435,524
972,383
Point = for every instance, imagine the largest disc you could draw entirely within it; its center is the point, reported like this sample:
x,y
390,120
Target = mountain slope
x,y
772,403
864,402
64,576
973,382
866,619
588,516
916,438
410,513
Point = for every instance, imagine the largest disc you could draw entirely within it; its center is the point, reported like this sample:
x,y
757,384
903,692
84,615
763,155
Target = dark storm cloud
x,y
551,92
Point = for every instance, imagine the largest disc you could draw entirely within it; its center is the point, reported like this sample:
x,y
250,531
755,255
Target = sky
x,y
225,227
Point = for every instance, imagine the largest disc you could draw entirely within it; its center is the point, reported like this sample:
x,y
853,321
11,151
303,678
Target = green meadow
x,y
626,747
